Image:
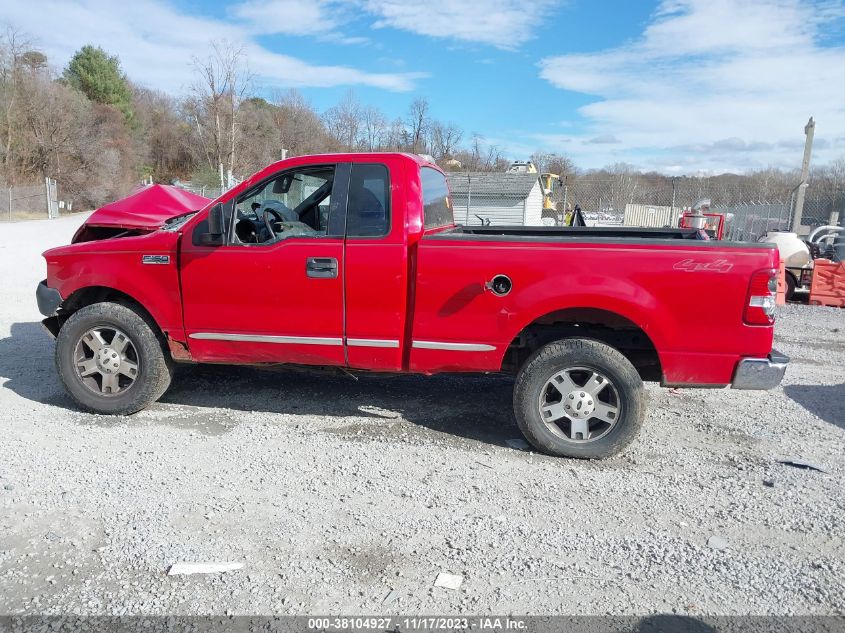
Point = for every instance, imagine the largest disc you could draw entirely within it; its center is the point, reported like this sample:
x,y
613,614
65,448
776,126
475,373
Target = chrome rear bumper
x,y
760,373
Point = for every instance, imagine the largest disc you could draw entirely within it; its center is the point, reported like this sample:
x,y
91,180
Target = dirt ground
x,y
351,496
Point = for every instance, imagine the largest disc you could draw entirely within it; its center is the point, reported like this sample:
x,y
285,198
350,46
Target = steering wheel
x,y
269,224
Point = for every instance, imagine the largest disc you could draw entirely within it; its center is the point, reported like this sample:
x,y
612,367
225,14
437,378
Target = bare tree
x,y
162,139
625,182
300,128
444,139
553,163
13,56
396,136
344,121
86,147
374,128
418,124
224,79
259,139
475,161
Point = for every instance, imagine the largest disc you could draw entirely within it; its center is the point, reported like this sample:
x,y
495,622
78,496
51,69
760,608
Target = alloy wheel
x,y
579,404
106,361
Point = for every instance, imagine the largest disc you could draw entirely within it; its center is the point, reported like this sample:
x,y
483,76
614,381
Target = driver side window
x,y
292,204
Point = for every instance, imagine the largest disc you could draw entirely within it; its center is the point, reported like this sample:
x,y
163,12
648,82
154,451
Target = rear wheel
x,y
791,284
579,398
110,360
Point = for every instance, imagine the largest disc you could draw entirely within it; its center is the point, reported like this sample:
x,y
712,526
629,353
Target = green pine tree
x,y
98,76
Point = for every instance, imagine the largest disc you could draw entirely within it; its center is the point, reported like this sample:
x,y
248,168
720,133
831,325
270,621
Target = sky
x,y
676,86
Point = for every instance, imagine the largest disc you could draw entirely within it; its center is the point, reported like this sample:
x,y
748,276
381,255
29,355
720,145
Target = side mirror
x,y
214,236
215,220
282,185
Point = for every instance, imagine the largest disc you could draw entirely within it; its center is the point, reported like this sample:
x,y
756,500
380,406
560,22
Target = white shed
x,y
651,215
497,197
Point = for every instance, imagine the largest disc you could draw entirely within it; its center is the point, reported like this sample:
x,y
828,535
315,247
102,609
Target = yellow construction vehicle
x,y
549,182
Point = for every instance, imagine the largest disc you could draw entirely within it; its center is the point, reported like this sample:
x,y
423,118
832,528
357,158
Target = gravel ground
x,y
350,496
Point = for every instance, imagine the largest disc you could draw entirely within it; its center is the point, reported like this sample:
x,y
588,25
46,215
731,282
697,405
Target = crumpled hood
x,y
147,208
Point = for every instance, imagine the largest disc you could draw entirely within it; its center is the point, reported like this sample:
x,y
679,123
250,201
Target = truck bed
x,y
662,281
579,234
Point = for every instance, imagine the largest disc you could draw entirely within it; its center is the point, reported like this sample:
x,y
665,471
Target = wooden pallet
x,y
828,287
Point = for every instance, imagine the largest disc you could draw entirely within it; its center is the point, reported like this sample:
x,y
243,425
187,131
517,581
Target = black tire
x,y
580,356
791,282
154,366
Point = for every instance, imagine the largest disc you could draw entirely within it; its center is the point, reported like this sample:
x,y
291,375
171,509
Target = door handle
x,y
321,267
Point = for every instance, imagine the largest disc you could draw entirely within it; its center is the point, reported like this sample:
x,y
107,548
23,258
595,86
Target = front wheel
x,y
110,360
579,398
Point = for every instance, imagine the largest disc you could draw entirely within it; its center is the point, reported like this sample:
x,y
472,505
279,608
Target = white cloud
x,y
501,23
322,19
156,44
289,17
603,139
716,84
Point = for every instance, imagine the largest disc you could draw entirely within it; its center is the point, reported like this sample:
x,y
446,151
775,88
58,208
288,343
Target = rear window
x,y
437,208
368,208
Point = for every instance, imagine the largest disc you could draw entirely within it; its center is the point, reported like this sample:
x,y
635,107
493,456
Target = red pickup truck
x,y
354,261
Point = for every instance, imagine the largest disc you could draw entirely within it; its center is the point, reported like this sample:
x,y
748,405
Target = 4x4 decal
x,y
692,266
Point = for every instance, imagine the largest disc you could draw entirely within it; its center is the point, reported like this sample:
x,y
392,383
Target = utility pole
x,y
673,200
565,195
469,197
809,129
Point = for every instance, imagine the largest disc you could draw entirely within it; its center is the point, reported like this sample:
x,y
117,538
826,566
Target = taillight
x,y
762,291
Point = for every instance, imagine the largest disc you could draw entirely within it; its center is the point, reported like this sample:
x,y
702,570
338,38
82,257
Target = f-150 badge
x,y
155,259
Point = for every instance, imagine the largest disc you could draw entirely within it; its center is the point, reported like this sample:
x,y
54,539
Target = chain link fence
x,y
29,202
604,201
749,221
638,200
823,205
211,192
202,190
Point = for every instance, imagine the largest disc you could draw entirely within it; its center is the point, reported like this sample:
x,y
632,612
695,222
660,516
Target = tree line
x,y
99,134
